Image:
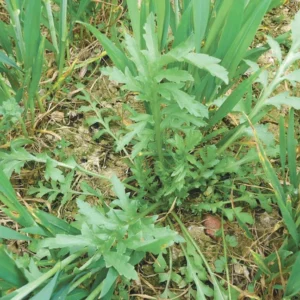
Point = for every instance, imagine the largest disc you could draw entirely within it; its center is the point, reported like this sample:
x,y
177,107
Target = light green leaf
x,y
7,61
53,172
295,30
185,101
293,76
109,282
293,286
9,270
174,75
275,47
48,290
209,63
284,99
120,263
10,234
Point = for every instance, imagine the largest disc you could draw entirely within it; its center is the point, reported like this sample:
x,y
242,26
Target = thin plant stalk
x,y
51,26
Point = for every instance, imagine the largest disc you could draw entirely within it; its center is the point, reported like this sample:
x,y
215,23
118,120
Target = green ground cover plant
x,y
185,78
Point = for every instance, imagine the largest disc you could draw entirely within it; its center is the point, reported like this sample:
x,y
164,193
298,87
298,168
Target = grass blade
x,y
9,271
282,145
15,210
201,9
10,234
291,151
283,203
32,32
293,286
232,100
135,18
116,55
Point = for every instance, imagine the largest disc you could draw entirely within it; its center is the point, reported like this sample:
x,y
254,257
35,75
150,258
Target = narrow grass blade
x,y
4,39
115,54
4,59
15,210
9,271
10,234
162,8
46,292
82,7
254,13
282,145
14,11
184,29
51,25
135,18
53,224
62,34
283,203
36,76
291,151
231,28
293,286
217,24
201,14
232,100
32,31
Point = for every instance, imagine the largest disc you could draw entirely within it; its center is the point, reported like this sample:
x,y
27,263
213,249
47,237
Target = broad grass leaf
x,y
9,271
32,33
231,28
217,24
201,14
254,14
209,63
135,19
232,100
53,224
184,27
295,30
163,10
16,211
46,292
5,38
293,286
284,99
10,234
109,282
120,263
7,61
